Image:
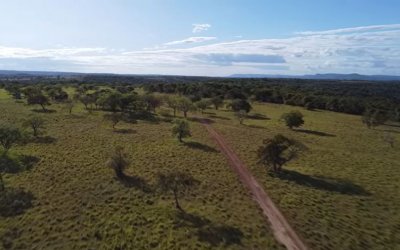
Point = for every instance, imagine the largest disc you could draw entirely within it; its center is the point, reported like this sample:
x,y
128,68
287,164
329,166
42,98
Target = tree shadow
x,y
389,131
255,126
219,117
200,146
47,111
312,132
257,116
207,231
323,183
135,182
392,125
201,120
217,235
14,202
125,131
43,140
16,164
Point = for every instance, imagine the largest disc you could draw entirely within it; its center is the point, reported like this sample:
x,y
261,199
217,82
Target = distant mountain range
x,y
346,77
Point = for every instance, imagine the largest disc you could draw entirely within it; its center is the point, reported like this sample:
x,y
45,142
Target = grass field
x,y
343,193
80,205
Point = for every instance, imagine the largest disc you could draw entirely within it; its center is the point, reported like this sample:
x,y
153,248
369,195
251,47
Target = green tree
x,y
239,104
178,183
185,105
181,129
36,123
374,118
202,105
40,99
241,116
114,118
277,151
8,137
173,103
118,162
217,102
293,119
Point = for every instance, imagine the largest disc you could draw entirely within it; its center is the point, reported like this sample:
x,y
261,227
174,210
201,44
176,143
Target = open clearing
x,y
341,194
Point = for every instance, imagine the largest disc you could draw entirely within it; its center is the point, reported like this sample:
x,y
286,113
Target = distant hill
x,y
349,77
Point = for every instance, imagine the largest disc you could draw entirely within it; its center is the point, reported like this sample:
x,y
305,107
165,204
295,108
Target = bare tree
x,y
36,123
118,162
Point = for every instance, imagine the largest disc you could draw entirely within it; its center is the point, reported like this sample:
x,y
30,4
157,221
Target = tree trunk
x,y
44,109
1,182
177,205
185,114
180,137
34,132
174,112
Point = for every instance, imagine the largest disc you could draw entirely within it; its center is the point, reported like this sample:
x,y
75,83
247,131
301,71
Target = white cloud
x,y
352,30
197,28
356,50
196,39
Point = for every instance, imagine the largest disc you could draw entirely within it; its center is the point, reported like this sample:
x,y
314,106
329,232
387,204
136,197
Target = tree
x,y
69,105
293,119
202,105
152,102
114,118
217,102
389,138
240,104
177,182
8,137
173,103
36,123
373,118
241,115
39,99
277,151
185,105
118,162
181,129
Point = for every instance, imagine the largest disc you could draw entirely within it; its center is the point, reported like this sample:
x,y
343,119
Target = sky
x,y
201,37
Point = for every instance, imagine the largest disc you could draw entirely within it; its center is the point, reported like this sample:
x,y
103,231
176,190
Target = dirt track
x,y
283,232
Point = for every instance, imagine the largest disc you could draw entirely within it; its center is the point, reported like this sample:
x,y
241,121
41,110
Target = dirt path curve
x,y
283,232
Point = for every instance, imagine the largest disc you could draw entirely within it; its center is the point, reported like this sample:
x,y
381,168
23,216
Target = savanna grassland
x,y
79,204
342,193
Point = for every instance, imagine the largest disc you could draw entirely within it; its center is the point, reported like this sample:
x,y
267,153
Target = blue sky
x,y
204,37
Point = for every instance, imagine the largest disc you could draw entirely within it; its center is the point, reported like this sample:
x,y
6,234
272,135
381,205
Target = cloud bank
x,y
364,50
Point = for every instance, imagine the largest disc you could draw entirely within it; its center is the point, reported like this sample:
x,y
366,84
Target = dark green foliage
x,y
374,118
241,115
293,119
36,123
239,104
176,182
181,129
202,105
217,102
277,151
9,136
118,162
39,99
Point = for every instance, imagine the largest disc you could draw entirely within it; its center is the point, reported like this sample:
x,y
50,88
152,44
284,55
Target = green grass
x,y
344,191
80,205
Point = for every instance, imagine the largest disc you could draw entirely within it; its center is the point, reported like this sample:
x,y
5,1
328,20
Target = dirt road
x,y
283,232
